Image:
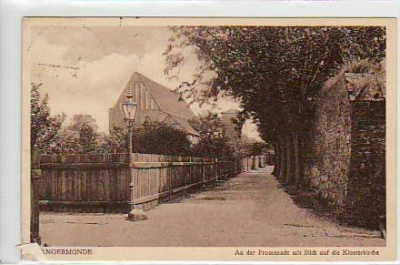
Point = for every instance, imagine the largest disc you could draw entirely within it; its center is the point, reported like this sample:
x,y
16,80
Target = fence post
x,y
35,176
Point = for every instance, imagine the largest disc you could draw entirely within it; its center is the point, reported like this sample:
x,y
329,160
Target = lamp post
x,y
130,108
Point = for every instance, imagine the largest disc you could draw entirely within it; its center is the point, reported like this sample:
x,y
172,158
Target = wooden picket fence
x,y
158,177
107,183
84,183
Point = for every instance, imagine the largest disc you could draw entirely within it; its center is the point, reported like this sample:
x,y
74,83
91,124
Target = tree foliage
x,y
214,147
118,140
276,72
213,142
87,138
208,125
85,128
80,136
80,120
160,138
257,148
44,127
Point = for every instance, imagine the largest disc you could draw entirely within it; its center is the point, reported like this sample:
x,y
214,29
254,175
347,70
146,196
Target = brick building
x,y
155,103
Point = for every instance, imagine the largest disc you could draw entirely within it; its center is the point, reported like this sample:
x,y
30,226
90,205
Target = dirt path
x,y
248,210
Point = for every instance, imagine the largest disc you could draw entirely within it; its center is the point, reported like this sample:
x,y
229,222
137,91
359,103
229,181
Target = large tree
x,y
275,72
44,127
80,120
207,125
213,141
81,135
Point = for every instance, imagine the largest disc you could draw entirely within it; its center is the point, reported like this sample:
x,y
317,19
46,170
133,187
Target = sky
x,y
84,69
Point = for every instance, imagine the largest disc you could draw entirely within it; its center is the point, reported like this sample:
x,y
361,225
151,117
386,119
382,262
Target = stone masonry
x,y
347,165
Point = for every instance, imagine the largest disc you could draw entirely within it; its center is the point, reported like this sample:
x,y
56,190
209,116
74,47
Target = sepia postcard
x,y
209,139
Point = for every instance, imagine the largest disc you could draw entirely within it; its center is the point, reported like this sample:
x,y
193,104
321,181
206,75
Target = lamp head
x,y
129,107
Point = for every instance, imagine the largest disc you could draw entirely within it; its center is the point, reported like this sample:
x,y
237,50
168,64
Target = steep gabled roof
x,y
166,106
166,99
184,125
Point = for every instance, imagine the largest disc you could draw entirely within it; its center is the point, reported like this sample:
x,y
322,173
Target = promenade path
x,y
248,210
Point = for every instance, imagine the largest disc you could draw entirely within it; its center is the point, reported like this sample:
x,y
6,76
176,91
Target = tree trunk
x,y
298,172
275,172
283,157
289,160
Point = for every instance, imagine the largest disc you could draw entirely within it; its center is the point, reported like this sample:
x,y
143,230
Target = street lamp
x,y
129,108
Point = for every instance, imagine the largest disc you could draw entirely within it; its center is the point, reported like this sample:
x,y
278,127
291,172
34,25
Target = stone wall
x,y
346,167
328,166
366,198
